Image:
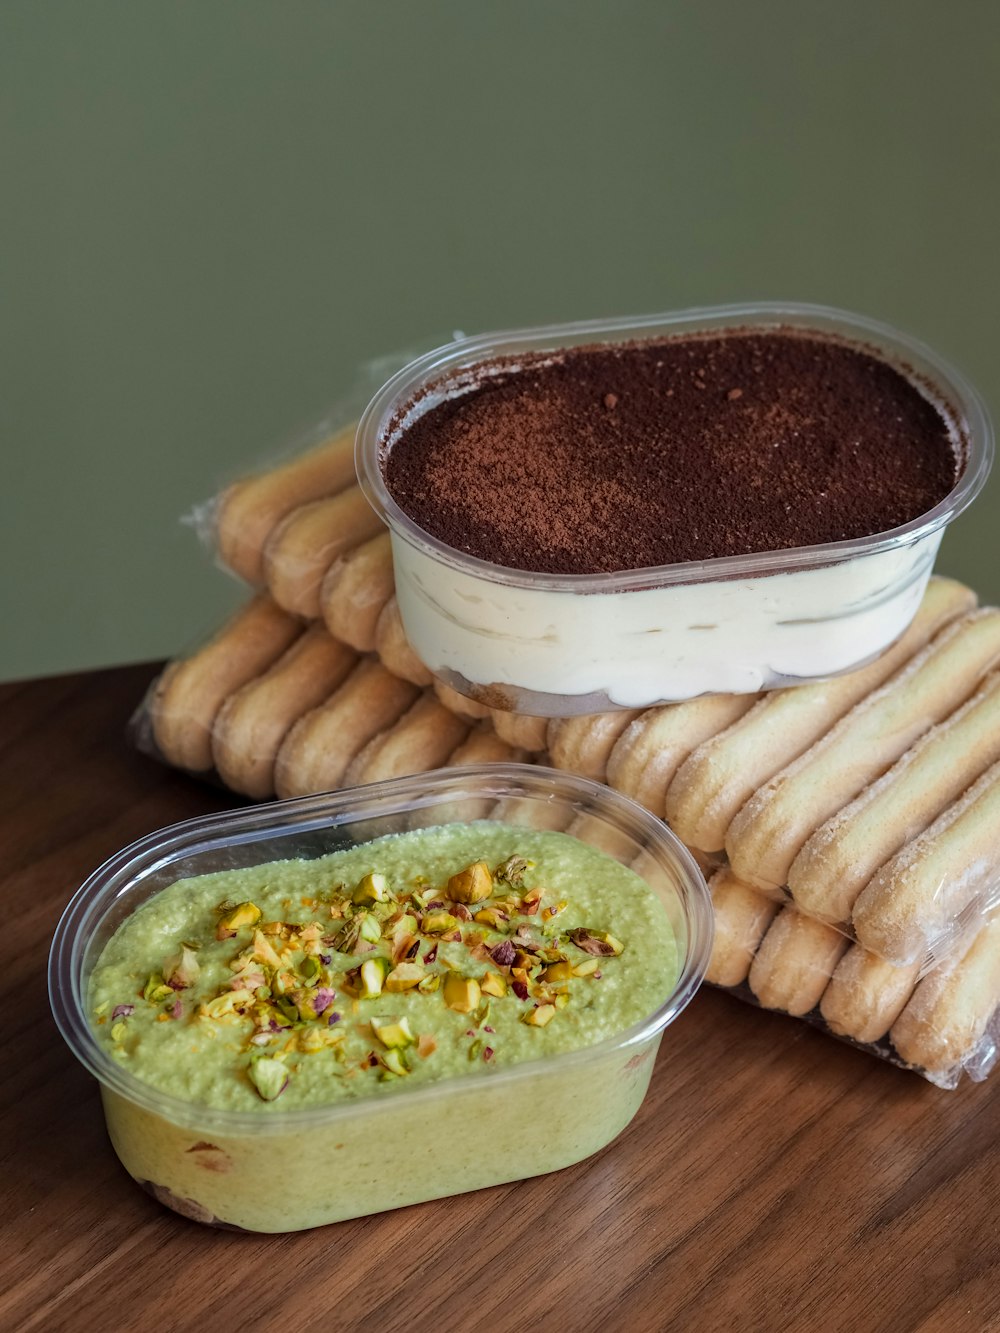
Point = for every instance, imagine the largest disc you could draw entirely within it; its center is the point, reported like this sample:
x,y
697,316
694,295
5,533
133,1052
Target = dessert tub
x,y
555,644
270,1163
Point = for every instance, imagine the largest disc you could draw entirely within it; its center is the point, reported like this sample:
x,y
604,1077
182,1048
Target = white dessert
x,y
559,652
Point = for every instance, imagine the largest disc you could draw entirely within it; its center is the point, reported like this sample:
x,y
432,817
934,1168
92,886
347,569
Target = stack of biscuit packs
x,y
850,828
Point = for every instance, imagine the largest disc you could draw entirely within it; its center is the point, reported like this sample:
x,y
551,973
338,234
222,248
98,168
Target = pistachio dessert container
x,y
556,645
273,1170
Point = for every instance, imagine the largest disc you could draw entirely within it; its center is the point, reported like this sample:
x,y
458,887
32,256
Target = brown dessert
x,y
619,457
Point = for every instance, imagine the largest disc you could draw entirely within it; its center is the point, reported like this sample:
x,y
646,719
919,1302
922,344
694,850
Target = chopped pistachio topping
x,y
461,993
472,884
393,1034
373,888
269,1077
289,984
537,1018
246,914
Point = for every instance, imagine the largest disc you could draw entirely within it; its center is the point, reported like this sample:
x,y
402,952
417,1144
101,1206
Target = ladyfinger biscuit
x,y
422,739
914,902
952,1007
520,730
742,915
652,747
393,647
795,961
253,722
483,746
250,510
459,703
528,813
597,832
771,829
723,773
354,591
305,544
582,744
866,995
191,691
317,750
841,857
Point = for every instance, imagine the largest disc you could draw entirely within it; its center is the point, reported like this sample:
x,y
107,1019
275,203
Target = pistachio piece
x,y
493,984
395,1063
587,968
556,974
373,888
472,884
435,923
229,1002
373,974
461,993
156,989
512,871
264,950
426,1045
244,914
491,916
430,983
392,1033
370,930
537,1018
269,1076
182,969
503,954
404,976
346,938
597,942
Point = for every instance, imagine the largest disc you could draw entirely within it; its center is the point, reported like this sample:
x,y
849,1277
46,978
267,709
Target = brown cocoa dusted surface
x,y
623,457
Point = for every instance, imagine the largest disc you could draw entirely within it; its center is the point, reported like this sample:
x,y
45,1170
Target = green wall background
x,y
214,210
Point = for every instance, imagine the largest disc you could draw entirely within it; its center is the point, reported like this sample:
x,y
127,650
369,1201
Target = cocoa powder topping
x,y
624,457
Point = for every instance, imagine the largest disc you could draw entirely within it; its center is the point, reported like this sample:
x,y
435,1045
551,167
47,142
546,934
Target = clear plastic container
x,y
304,1168
530,643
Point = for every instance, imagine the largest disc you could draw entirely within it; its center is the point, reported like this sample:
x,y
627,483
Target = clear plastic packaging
x,y
871,801
528,642
283,527
941,1022
309,1167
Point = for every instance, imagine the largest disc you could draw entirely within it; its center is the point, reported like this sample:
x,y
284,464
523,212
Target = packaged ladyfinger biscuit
x,y
941,1024
279,716
284,522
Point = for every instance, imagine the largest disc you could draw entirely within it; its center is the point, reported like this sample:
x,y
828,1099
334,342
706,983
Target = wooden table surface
x,y
773,1179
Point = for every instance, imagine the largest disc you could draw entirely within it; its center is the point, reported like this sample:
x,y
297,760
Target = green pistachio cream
x,y
411,959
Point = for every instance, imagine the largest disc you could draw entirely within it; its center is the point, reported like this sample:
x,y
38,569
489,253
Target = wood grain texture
x,y
773,1179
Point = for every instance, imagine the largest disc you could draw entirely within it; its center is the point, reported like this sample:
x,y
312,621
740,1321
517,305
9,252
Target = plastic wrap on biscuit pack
x,y
940,1022
265,523
869,801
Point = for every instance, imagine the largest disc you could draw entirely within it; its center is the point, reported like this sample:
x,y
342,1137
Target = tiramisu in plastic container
x,y
328,1007
620,514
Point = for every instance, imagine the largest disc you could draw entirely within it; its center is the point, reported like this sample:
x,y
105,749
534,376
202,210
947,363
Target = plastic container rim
x,y
88,906
958,400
